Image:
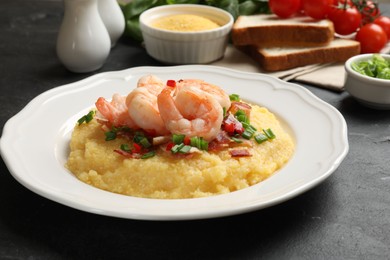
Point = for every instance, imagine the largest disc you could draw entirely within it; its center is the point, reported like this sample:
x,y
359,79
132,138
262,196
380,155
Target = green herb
x,y
268,132
178,138
376,67
259,138
176,148
236,140
247,134
249,127
199,143
86,118
110,135
125,147
145,142
148,155
141,139
242,117
234,97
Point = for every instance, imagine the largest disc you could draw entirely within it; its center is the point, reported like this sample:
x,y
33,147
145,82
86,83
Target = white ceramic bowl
x,y
372,92
174,47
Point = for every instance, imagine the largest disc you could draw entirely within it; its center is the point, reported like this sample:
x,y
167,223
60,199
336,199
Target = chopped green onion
x,y
110,135
138,136
268,132
199,143
243,119
234,97
241,116
249,127
148,155
185,149
125,147
178,138
236,140
247,134
86,118
176,148
224,111
259,138
145,142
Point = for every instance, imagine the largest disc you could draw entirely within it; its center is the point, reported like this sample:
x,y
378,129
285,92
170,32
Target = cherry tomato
x,y
338,2
370,12
317,9
284,8
372,38
384,22
346,21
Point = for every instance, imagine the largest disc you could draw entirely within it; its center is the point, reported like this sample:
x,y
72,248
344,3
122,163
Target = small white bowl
x,y
369,91
175,47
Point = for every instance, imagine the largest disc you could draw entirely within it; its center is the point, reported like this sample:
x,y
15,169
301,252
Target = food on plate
x,y
267,30
185,23
209,142
276,59
376,67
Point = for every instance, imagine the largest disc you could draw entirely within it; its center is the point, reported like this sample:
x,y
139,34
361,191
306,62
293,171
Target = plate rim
x,y
5,141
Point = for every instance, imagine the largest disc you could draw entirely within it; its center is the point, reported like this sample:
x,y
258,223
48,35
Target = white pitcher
x,y
83,43
113,19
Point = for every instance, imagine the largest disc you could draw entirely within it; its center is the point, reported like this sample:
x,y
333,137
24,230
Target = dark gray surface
x,y
345,217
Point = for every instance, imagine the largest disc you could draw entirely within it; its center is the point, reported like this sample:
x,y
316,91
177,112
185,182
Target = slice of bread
x,y
269,30
276,59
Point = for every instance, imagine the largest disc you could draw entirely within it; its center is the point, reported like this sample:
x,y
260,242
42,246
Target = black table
x,y
345,217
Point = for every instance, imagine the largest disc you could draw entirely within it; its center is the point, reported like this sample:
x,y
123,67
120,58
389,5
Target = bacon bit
x,y
236,105
221,141
171,83
232,126
240,153
128,154
244,143
222,137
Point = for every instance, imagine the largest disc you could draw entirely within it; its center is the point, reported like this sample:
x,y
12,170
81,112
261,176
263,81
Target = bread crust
x,y
305,57
267,34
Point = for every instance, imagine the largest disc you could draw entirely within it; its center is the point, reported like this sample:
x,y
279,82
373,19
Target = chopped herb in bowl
x,y
376,67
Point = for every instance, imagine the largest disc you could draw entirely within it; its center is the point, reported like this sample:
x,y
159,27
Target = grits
x,y
185,23
165,176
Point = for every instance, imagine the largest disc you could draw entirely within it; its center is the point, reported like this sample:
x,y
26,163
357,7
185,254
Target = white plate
x,y
35,143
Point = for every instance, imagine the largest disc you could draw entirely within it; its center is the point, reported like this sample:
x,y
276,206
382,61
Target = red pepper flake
x,y
169,146
240,153
171,83
187,140
137,148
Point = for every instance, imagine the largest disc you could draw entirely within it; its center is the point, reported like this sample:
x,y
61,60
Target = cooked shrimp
x,y
191,112
142,105
152,83
116,111
219,94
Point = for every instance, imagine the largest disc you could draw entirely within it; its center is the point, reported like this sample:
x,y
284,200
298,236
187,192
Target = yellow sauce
x,y
185,23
